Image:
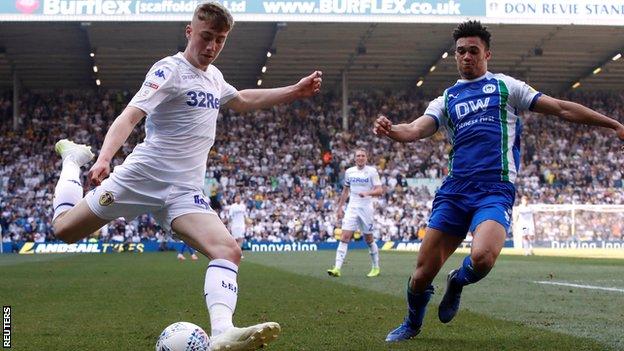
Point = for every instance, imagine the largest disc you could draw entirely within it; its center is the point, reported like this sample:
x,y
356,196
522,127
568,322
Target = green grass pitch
x,y
123,301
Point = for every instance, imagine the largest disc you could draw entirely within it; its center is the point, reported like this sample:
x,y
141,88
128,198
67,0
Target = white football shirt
x,y
525,214
359,181
237,214
182,106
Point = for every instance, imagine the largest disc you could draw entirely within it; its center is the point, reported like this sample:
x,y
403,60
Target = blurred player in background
x,y
164,174
236,215
184,248
526,224
361,184
480,116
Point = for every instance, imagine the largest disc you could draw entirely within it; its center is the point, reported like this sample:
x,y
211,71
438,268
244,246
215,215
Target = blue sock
x,y
183,248
417,305
466,274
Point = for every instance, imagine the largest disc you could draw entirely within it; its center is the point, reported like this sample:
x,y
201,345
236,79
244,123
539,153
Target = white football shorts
x,y
359,218
238,231
528,228
114,199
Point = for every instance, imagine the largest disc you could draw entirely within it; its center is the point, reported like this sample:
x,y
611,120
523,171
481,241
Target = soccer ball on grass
x,y
183,336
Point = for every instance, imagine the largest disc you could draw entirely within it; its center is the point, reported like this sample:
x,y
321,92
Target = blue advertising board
x,y
99,247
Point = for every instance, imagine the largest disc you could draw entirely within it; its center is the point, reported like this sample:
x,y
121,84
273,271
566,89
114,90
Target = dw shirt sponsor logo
x,y
464,108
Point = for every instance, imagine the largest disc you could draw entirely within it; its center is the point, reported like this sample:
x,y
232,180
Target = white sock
x,y
341,253
68,191
221,292
220,318
374,253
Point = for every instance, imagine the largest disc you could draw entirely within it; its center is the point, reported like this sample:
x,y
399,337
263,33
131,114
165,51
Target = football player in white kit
x,y
236,215
164,175
526,225
361,183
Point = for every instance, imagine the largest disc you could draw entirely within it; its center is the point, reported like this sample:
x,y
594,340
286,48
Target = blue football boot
x,y
450,301
412,324
404,332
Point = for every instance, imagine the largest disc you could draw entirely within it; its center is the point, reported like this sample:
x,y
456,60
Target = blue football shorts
x,y
461,205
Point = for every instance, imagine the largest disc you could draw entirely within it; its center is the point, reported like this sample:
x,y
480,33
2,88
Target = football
x,y
183,336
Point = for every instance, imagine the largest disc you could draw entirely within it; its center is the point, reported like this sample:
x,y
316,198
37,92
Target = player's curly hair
x,y
472,29
216,14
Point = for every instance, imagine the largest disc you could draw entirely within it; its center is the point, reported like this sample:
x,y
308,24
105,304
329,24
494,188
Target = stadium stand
x,y
288,162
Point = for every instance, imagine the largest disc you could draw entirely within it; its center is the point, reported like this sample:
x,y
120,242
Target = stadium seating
x,y
274,159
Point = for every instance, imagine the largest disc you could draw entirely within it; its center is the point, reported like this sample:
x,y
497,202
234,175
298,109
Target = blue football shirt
x,y
480,117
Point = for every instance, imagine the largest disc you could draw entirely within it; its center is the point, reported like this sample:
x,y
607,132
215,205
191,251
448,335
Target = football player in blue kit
x,y
480,115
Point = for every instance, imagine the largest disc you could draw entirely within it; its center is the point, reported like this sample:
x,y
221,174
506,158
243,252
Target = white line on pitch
x,y
579,286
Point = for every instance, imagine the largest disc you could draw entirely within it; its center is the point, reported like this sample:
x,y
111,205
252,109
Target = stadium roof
x,y
375,55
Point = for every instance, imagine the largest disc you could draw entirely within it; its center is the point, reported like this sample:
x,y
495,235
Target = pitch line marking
x,y
579,286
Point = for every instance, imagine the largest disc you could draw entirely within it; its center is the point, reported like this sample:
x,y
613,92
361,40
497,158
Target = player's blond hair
x,y
362,150
216,14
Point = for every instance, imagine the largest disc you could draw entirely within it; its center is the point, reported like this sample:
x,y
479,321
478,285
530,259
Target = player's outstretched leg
x,y
208,235
455,282
221,291
416,308
68,191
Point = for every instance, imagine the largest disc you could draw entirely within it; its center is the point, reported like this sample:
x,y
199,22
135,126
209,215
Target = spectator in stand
x,y
281,160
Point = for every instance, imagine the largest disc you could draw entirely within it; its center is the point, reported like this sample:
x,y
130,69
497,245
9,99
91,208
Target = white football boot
x,y
245,339
79,153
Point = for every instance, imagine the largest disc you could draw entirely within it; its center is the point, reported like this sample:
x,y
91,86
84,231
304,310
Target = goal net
x,y
575,226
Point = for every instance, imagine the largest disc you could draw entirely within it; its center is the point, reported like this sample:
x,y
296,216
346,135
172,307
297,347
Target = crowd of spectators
x,y
287,163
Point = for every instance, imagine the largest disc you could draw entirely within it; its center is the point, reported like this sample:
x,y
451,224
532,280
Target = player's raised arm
x,y
576,113
253,99
116,136
422,127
